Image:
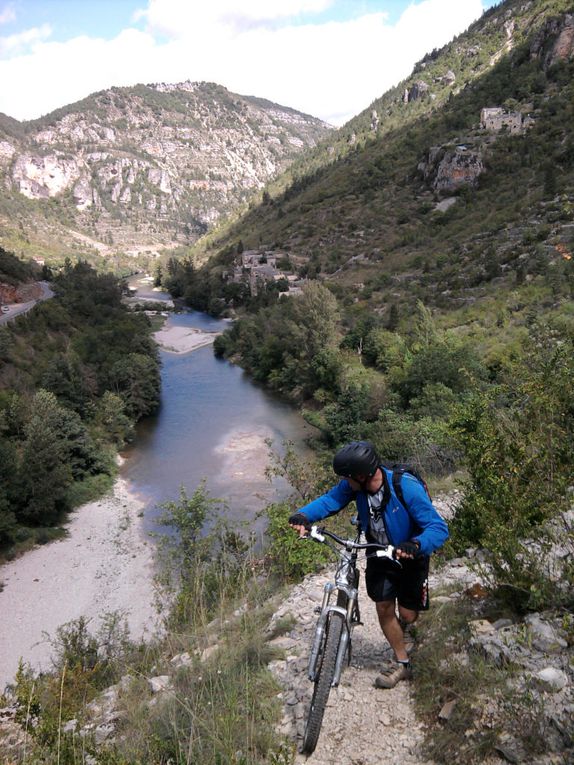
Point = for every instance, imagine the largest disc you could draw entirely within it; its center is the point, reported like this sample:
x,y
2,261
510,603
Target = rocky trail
x,y
362,725
367,726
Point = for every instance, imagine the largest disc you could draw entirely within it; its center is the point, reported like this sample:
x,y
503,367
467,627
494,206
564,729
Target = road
x,y
15,309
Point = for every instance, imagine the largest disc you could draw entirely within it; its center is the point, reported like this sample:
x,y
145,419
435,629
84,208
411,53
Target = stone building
x,y
495,119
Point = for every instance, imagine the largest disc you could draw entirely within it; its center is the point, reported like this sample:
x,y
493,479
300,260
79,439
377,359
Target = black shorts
x,y
408,585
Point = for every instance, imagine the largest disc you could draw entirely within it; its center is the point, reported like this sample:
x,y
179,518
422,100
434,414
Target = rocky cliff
x,y
148,165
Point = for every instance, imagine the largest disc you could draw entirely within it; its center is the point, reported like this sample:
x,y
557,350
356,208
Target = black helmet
x,y
356,458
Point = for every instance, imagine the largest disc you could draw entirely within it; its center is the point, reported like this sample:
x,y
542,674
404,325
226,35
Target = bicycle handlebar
x,y
382,551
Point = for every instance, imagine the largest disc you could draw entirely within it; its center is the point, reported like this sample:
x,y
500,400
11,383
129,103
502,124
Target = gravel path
x,y
362,725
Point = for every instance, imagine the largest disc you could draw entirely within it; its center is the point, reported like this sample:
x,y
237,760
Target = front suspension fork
x,y
321,627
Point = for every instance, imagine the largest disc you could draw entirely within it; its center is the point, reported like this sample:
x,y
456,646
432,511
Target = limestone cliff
x,y
154,163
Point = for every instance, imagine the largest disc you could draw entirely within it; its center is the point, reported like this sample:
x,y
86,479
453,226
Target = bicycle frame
x,y
344,581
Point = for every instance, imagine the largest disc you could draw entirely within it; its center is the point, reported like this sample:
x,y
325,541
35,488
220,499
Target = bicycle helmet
x,y
356,458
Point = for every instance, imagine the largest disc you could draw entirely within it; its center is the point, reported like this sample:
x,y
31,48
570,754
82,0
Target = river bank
x,y
176,339
105,564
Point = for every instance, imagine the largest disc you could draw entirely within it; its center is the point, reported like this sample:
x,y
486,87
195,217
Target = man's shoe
x,y
390,678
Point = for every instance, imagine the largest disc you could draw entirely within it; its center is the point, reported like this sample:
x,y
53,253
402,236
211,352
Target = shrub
x,y
518,444
290,557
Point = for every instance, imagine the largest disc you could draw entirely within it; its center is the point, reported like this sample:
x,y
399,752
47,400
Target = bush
x,y
518,444
290,557
425,443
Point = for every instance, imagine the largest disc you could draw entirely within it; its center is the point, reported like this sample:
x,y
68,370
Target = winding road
x,y
15,309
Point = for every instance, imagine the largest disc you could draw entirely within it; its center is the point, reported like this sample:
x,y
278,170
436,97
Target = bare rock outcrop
x,y
555,41
447,169
39,177
418,90
155,159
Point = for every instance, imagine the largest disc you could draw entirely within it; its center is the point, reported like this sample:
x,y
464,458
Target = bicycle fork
x,y
326,610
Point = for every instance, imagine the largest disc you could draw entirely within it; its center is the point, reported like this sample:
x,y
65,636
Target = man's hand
x,y
408,549
300,523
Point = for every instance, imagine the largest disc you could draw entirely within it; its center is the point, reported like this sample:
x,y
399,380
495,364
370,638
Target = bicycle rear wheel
x,y
323,681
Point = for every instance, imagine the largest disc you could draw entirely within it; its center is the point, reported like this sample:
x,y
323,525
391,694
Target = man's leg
x,y
407,615
392,630
383,590
394,634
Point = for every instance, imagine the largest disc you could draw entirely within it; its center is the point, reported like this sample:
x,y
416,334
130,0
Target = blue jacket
x,y
418,521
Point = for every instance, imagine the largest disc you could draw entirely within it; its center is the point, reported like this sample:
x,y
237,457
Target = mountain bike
x,y
337,618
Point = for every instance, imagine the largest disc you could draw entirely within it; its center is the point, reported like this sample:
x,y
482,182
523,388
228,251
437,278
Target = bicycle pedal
x,y
317,610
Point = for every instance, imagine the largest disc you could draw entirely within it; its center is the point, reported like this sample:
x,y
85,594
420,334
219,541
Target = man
x,y
409,522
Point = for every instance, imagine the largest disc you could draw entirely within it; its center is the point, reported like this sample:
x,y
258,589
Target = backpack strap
x,y
397,474
397,478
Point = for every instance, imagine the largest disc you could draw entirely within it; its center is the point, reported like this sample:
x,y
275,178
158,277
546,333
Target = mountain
x,y
142,167
456,183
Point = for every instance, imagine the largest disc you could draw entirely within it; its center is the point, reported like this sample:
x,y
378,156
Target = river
x,y
213,424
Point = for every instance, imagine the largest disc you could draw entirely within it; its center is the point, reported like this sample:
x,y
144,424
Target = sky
x,y
328,58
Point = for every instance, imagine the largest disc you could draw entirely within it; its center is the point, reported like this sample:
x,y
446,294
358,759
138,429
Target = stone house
x,y
495,119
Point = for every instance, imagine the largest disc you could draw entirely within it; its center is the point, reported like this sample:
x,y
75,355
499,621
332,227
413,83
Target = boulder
x,y
551,679
159,684
419,90
458,168
182,660
544,636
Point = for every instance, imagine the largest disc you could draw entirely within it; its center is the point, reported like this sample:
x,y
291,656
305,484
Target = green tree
x,y
66,378
110,416
8,468
518,443
44,474
136,380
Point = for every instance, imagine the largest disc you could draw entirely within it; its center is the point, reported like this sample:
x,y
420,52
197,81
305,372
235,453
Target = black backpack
x,y
399,469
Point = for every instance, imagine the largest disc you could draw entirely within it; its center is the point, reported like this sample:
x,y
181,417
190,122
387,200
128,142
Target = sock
x,y
405,662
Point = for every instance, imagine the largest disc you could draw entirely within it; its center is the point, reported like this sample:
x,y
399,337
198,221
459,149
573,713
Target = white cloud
x,y
180,20
332,70
7,14
16,43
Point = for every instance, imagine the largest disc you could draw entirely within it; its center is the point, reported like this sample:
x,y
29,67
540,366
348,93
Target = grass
x,y
157,322
28,537
446,484
90,489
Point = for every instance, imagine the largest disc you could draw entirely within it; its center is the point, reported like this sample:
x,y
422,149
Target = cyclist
x,y
409,522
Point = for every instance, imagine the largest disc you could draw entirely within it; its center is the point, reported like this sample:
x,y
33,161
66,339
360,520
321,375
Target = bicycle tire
x,y
342,599
323,681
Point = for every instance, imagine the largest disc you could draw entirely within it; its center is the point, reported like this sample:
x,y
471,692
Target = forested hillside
x,y
14,271
76,373
432,254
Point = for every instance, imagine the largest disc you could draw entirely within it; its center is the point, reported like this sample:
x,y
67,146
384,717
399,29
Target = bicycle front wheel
x,y
323,681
